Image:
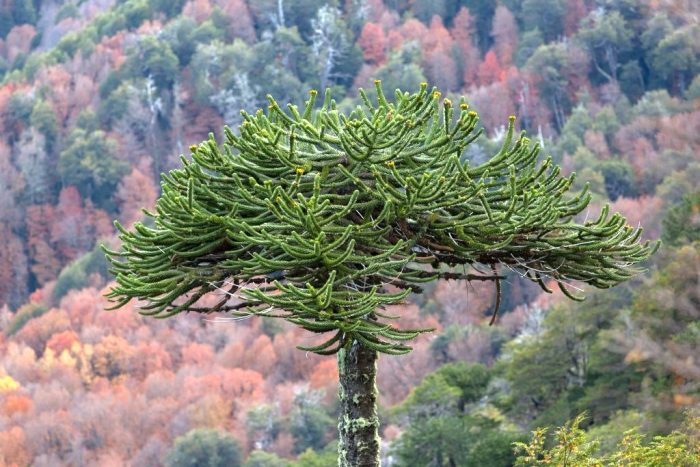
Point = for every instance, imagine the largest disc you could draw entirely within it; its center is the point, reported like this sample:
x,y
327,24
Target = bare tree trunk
x,y
358,425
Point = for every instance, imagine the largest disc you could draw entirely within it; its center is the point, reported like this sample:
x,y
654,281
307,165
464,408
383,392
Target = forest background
x,y
98,97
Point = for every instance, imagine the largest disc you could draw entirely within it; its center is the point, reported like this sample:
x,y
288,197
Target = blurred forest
x,y
98,97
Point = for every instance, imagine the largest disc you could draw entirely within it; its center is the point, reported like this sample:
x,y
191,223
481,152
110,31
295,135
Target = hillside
x,y
99,97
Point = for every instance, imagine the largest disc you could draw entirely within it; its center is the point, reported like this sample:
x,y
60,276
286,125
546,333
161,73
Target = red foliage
x,y
505,35
576,10
13,267
62,341
494,104
438,58
240,21
148,358
18,41
463,302
490,70
199,10
37,332
413,30
325,378
372,41
645,210
296,365
135,191
463,34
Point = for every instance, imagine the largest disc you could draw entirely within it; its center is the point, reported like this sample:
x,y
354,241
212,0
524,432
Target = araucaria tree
x,y
326,220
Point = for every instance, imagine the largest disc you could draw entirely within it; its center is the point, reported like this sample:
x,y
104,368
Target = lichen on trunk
x,y
358,424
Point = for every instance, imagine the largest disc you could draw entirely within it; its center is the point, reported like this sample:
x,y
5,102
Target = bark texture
x,y
358,425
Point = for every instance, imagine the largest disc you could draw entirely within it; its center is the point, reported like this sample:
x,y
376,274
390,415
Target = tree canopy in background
x,y
144,79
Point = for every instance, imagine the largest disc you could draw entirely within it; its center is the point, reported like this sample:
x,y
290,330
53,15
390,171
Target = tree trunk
x,y
358,425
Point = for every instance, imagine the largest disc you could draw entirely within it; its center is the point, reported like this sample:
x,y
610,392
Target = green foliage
x,y
470,379
116,105
550,62
83,41
678,54
153,58
606,36
170,7
184,35
19,109
682,222
325,458
89,162
22,317
23,11
483,11
576,368
401,71
77,274
530,41
439,430
545,15
455,439
307,204
620,179
205,448
44,119
266,459
309,424
67,10
571,447
693,91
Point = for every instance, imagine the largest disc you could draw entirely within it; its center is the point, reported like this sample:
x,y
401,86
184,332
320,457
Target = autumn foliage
x,y
80,386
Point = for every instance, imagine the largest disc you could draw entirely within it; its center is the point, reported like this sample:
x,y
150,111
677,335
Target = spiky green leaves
x,y
325,219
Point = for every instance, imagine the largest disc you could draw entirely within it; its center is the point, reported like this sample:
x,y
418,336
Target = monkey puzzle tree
x,y
327,220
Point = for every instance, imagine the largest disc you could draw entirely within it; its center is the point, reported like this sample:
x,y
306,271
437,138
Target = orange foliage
x,y
111,357
645,210
261,355
595,141
13,447
62,341
293,364
68,231
37,332
197,354
438,37
44,261
463,302
87,307
135,191
413,30
325,376
16,403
